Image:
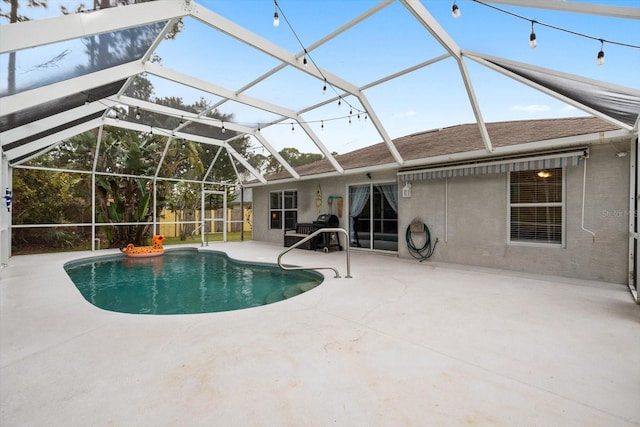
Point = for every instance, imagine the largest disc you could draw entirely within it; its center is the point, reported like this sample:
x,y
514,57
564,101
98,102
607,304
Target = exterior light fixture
x,y
455,10
406,190
532,37
600,57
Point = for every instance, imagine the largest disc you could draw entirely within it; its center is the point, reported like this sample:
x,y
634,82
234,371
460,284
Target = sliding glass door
x,y
373,216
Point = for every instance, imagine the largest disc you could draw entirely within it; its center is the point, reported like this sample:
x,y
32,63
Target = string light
x,y
306,58
222,128
532,37
181,120
321,124
455,10
339,102
600,57
292,128
137,113
276,18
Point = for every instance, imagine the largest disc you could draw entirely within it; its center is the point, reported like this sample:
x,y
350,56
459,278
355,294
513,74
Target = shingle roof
x,y
458,139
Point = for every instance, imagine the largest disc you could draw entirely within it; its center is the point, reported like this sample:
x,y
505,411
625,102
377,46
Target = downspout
x,y
633,225
584,188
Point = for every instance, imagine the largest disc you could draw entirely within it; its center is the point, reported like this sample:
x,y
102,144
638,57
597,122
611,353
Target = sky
x,y
387,42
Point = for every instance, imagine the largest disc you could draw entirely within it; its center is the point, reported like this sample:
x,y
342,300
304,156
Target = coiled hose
x,y
426,250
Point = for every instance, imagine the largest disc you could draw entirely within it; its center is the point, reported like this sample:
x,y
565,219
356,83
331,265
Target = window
x,y
283,209
536,204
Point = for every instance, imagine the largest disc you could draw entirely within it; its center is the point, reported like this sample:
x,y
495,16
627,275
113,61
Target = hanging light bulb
x,y
276,18
532,37
222,128
137,113
292,128
321,124
600,57
324,88
455,10
304,61
339,102
181,120
349,119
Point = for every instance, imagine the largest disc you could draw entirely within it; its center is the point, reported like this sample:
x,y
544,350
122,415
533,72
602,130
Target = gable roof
x,y
419,148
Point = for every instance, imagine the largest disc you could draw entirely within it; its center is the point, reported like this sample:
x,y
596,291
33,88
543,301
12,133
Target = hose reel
x,y
417,227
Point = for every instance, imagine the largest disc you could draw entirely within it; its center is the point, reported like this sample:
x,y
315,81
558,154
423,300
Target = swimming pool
x,y
184,281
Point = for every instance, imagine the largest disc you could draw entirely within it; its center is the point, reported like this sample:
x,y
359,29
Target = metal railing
x,y
311,236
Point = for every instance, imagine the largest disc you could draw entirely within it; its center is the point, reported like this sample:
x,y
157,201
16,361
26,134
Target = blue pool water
x,y
184,281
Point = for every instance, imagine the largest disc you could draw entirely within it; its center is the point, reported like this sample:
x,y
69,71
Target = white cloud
x,y
530,108
403,114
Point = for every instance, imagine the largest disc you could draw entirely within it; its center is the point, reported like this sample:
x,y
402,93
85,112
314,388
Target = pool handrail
x,y
311,236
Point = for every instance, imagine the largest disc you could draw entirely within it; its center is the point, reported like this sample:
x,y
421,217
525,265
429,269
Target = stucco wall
x,y
476,222
475,211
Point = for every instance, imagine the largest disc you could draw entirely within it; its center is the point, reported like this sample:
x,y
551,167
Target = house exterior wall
x,y
476,230
469,218
307,212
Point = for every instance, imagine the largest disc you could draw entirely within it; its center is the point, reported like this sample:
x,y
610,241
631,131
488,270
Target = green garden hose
x,y
426,250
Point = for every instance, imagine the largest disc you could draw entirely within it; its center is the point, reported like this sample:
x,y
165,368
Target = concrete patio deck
x,y
402,343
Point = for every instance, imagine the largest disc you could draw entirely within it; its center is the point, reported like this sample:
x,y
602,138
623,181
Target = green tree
x,y
294,157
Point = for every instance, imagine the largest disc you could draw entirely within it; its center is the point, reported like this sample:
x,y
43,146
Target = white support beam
x,y
433,26
169,74
320,145
6,184
76,25
50,122
381,130
33,97
228,27
477,112
485,60
576,7
52,139
138,127
245,163
186,115
276,155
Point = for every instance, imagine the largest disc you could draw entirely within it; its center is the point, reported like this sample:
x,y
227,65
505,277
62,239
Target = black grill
x,y
326,220
327,240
